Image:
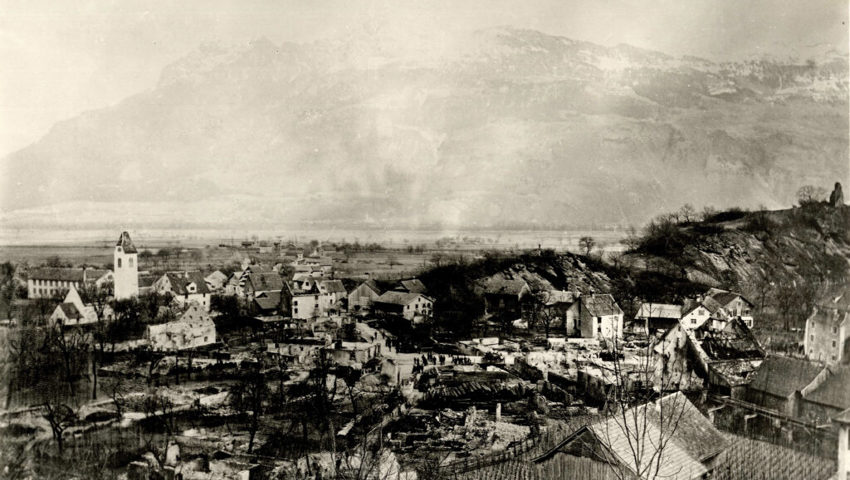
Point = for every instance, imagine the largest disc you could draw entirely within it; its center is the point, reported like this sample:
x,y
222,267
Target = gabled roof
x,y
829,317
67,274
125,243
659,310
265,281
723,297
180,281
690,439
413,285
834,391
70,311
370,284
216,276
333,286
600,304
554,297
499,285
782,376
399,298
268,300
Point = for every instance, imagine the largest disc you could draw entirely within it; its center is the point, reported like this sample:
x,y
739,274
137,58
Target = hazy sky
x,y
61,58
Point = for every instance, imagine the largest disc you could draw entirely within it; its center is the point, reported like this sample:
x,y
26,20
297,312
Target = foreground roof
x,y
690,438
834,391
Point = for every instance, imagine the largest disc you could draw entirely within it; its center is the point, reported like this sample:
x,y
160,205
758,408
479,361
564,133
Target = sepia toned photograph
x,y
424,240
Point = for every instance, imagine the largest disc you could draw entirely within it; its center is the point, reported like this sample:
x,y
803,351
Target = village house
x,y
53,282
266,303
193,329
307,297
334,296
235,284
723,357
184,288
652,317
216,281
363,295
779,381
74,312
595,316
411,285
733,304
695,312
669,438
828,329
827,395
414,307
314,263
300,299
557,303
503,296
254,283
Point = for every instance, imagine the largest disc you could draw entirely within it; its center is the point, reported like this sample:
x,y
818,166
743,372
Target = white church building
x,y
125,268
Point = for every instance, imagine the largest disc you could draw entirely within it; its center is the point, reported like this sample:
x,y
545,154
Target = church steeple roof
x,y
125,243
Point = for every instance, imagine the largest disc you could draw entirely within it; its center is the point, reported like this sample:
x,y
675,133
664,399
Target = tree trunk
x,y
94,377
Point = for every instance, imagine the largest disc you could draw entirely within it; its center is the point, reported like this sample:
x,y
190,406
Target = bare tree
x,y
99,299
809,194
8,287
60,416
636,412
392,260
159,412
587,243
71,346
247,396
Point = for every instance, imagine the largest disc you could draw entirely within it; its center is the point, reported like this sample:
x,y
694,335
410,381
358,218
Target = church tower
x,y
126,268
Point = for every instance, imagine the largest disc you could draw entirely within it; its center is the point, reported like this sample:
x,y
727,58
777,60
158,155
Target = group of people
x,y
419,364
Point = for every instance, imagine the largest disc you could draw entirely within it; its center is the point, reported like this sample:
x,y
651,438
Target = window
x,y
130,264
119,263
295,311
693,321
295,303
833,344
811,338
701,311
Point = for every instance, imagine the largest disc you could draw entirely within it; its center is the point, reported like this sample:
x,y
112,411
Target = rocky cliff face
x,y
513,127
779,259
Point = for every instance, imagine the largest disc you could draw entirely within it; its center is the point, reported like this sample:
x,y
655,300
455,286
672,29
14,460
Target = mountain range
x,y
508,127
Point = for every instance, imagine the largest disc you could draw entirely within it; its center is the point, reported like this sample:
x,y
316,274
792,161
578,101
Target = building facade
x,y
125,268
